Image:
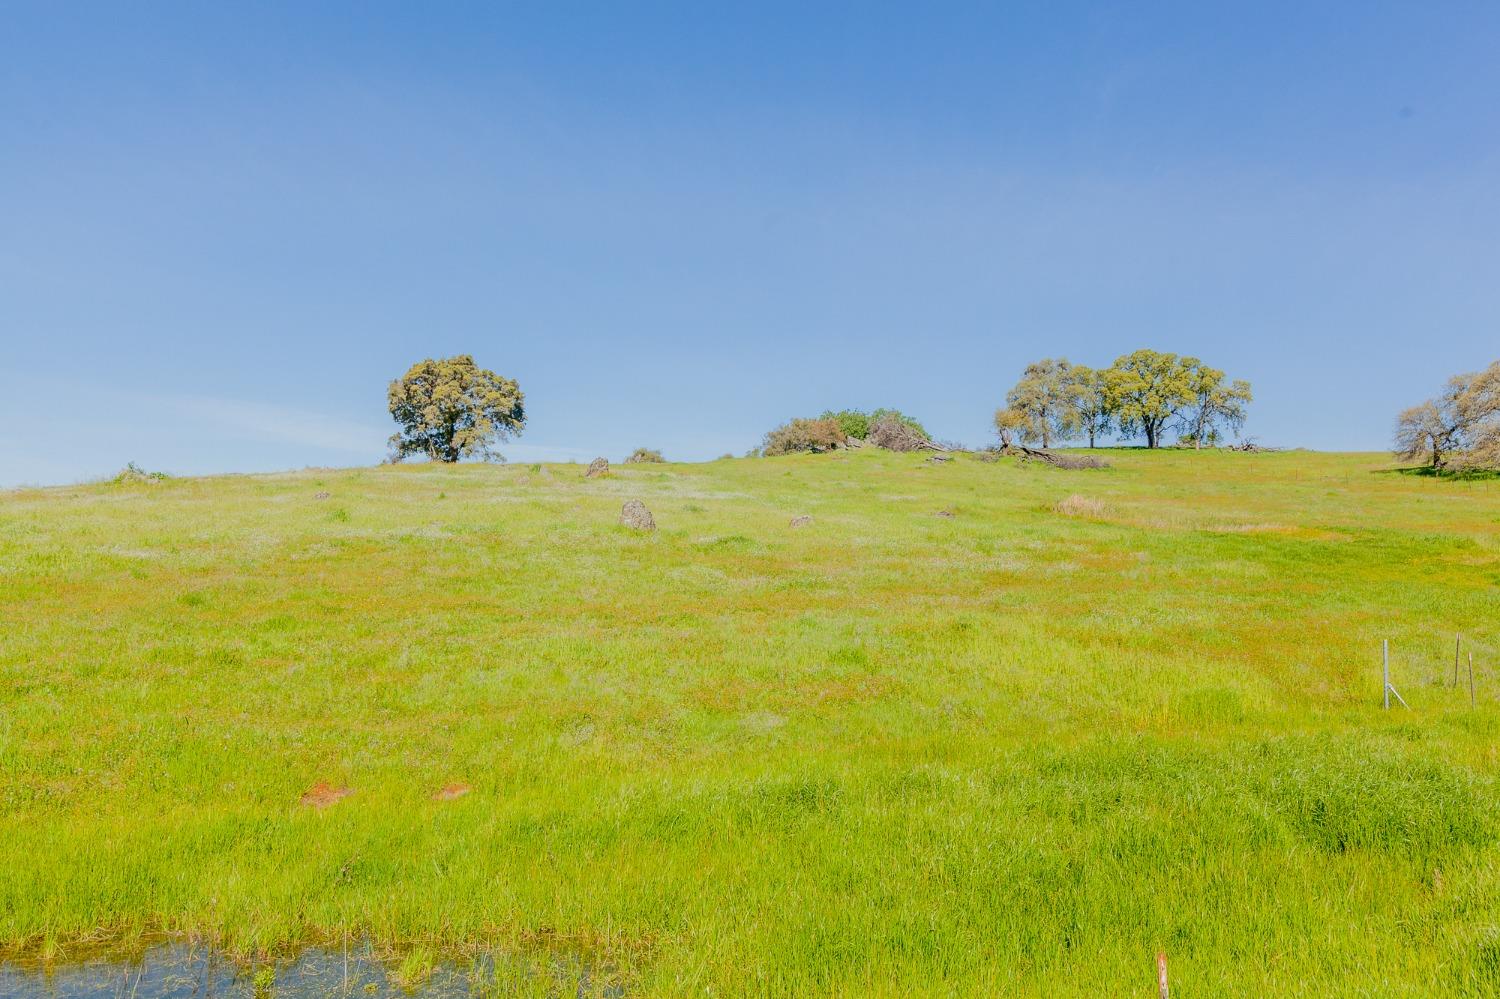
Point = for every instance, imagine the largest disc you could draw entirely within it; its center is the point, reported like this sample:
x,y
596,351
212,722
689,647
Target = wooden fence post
x,y
1161,974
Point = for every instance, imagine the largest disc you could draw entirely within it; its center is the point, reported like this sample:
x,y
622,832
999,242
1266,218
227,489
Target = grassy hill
x,y
1012,751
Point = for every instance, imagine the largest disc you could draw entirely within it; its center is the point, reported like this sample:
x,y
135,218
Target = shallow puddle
x,y
188,971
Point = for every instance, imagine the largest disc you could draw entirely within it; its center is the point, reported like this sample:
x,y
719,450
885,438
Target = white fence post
x,y
1385,671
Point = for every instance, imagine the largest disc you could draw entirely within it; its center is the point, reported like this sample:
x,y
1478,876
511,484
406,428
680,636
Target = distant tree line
x,y
1146,394
451,409
1460,429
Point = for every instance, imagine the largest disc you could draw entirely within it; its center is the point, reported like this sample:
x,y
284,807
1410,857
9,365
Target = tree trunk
x,y
1091,438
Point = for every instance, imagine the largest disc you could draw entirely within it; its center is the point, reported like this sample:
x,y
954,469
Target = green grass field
x,y
1015,751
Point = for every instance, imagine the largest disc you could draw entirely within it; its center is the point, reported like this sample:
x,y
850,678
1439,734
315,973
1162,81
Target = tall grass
x,y
1013,751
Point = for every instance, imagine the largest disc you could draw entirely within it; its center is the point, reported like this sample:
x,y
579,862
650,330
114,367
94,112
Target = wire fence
x,y
1469,656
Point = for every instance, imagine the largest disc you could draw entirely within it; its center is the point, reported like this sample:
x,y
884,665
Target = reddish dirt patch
x,y
450,791
322,794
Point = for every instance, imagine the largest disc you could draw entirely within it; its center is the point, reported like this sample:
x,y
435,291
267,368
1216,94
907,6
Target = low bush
x,y
135,473
852,422
895,434
895,414
803,435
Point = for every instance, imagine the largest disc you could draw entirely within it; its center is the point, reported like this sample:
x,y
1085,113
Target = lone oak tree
x,y
452,409
1460,429
1216,403
1147,390
1093,411
1045,399
1009,425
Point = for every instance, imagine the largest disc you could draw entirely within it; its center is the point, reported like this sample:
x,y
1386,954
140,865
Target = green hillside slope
x,y
977,728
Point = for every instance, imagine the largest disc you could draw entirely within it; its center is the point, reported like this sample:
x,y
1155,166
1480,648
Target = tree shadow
x,y
1428,472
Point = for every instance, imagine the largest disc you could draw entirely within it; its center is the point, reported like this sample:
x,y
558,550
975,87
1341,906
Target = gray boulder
x,y
635,515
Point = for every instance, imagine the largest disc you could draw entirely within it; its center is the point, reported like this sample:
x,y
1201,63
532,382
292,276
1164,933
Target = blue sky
x,y
224,228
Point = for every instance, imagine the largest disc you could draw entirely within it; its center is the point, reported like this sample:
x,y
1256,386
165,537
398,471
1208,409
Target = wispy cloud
x,y
197,433
273,422
309,428
546,452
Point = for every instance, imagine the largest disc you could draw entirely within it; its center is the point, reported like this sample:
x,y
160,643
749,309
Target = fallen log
x,y
1056,460
894,435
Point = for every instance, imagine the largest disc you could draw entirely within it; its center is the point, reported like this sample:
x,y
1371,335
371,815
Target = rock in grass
x,y
598,468
1072,463
321,495
802,521
635,515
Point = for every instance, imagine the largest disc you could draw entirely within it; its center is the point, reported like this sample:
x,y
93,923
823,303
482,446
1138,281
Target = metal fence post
x,y
1385,671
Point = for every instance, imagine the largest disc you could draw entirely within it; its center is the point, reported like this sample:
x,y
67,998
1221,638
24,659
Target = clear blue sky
x,y
225,227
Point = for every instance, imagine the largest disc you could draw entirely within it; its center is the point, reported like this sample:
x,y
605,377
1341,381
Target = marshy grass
x,y
1016,751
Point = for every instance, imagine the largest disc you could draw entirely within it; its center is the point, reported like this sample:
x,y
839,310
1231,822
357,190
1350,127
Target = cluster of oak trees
x,y
1459,430
1145,394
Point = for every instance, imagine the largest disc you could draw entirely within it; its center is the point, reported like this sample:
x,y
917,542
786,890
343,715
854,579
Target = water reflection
x,y
188,971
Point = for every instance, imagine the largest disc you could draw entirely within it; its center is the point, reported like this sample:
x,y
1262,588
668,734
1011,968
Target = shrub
x,y
856,423
803,435
899,417
852,422
895,434
135,473
643,454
